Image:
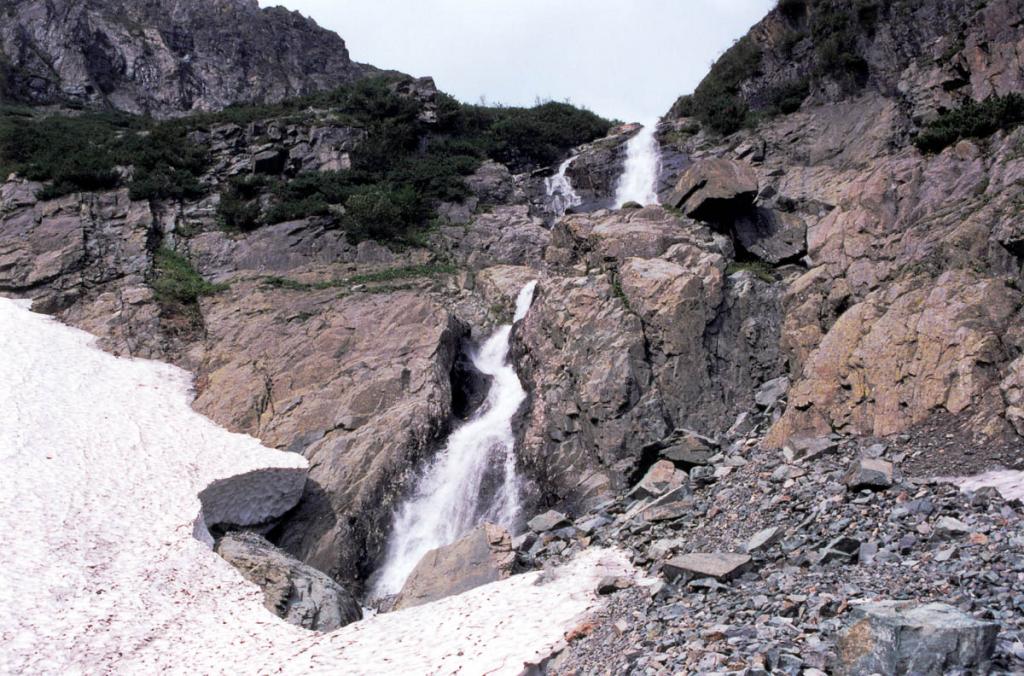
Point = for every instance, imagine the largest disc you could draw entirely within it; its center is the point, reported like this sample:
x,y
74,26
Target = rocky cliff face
x,y
908,304
164,57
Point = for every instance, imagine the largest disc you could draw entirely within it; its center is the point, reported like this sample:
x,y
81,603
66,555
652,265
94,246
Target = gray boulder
x,y
483,556
661,478
718,565
549,520
294,591
868,473
894,637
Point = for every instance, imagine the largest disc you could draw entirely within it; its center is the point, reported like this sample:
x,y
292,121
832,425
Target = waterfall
x,y
643,160
562,196
473,479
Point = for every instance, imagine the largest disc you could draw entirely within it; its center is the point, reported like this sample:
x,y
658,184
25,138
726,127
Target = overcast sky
x,y
628,59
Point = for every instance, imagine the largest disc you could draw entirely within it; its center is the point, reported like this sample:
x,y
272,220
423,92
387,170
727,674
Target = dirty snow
x,y
101,461
1009,483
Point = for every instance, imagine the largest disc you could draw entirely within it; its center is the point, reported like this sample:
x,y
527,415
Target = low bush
x,y
174,280
972,120
83,153
717,102
383,212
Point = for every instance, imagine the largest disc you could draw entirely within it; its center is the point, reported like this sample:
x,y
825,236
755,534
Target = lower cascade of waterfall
x,y
562,196
473,480
640,175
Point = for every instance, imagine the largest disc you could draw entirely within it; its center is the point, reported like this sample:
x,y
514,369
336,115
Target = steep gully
x,y
474,479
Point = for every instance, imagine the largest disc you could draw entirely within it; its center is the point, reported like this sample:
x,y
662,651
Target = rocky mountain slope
x,y
165,57
834,272
904,303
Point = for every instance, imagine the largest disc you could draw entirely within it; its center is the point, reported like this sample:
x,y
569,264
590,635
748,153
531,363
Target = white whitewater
x,y
473,479
562,196
643,160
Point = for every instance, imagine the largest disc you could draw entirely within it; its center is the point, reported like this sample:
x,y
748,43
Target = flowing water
x,y
643,160
473,479
562,196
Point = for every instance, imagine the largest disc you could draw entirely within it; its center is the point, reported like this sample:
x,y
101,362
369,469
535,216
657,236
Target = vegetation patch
x,y
388,275
405,166
717,101
88,152
174,280
759,269
972,120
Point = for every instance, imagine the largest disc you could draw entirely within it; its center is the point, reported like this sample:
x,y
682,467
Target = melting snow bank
x,y
103,462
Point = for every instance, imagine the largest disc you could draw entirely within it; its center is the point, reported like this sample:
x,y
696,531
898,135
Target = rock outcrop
x,y
483,556
908,307
294,591
167,57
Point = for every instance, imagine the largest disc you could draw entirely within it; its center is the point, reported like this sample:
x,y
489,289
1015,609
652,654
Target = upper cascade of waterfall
x,y
640,175
560,191
472,480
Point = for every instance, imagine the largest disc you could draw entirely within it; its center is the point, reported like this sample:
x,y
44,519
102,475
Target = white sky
x,y
628,59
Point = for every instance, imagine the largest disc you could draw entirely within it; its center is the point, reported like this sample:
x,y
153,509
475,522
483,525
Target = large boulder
x,y
714,189
292,590
897,637
483,556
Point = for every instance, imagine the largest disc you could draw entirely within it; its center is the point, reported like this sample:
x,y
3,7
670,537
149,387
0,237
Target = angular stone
x,y
703,475
770,392
549,520
764,539
670,506
661,478
718,565
713,189
894,637
808,448
947,526
868,473
844,549
295,592
483,556
612,584
591,524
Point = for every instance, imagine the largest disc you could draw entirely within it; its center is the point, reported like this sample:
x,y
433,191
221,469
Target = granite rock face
x,y
901,301
166,57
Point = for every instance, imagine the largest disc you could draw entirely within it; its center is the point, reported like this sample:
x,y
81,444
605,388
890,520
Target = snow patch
x,y
103,464
1009,483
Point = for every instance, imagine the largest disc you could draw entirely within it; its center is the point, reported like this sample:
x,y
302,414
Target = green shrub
x,y
972,120
175,281
787,97
383,212
717,102
82,153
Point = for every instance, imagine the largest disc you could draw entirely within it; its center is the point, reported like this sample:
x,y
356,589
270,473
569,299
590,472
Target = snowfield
x,y
106,566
